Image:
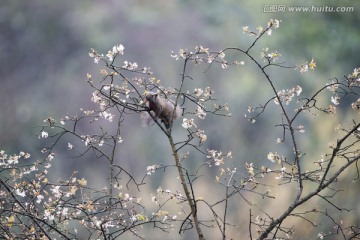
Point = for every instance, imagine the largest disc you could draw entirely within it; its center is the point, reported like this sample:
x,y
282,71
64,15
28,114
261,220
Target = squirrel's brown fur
x,y
161,108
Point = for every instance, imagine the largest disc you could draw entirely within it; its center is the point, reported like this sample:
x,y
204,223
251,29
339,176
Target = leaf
x,y
10,221
140,217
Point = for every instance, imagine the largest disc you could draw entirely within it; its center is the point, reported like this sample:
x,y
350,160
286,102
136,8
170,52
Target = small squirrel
x,y
161,108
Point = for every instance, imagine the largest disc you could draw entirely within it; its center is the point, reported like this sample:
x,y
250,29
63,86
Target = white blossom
x,y
119,49
188,123
273,157
300,129
20,192
107,116
39,198
44,134
198,92
200,112
56,191
151,169
335,100
48,215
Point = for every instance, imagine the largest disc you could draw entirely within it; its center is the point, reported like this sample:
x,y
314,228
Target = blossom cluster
x,y
354,78
306,66
272,24
8,161
111,54
28,194
210,57
285,96
270,56
217,157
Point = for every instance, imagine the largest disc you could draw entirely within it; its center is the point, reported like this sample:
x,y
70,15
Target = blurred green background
x,y
44,49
